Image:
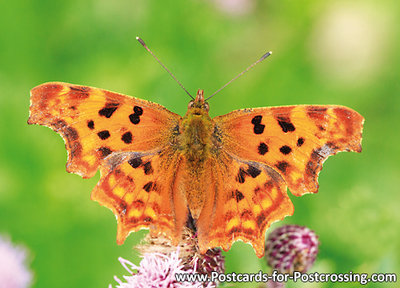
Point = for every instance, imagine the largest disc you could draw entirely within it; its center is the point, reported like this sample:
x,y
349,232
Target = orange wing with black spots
x,y
96,122
245,199
261,152
139,189
101,129
293,140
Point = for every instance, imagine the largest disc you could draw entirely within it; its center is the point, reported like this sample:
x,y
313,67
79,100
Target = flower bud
x,y
291,248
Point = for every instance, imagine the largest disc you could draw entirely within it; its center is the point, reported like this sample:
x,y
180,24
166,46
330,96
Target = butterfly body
x,y
229,173
196,146
196,132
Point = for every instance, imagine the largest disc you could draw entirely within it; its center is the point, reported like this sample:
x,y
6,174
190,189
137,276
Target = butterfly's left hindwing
x,y
293,140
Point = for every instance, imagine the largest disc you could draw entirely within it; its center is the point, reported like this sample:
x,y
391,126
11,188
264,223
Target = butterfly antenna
x,y
158,60
241,73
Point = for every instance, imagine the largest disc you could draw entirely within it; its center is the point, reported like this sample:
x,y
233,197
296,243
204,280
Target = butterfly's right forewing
x,y
131,141
95,123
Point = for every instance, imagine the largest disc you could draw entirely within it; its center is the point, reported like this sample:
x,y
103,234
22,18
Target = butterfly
x,y
229,174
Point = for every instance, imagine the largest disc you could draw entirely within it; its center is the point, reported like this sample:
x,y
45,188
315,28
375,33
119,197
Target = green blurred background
x,y
325,52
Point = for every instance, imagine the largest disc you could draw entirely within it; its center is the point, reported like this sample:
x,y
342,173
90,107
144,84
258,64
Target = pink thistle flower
x,y
13,271
156,270
162,261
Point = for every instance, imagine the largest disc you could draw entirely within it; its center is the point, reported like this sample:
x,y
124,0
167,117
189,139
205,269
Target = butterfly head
x,y
199,106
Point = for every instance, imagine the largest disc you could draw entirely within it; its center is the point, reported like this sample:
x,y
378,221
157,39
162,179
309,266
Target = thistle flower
x,y
212,260
291,248
13,271
161,261
156,270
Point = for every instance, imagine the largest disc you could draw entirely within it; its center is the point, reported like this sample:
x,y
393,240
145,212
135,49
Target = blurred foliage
x,y
325,52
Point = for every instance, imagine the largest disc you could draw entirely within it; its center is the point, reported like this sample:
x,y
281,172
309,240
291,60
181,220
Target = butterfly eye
x,y
206,106
190,105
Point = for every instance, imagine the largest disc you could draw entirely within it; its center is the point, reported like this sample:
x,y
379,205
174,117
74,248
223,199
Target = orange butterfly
x,y
229,174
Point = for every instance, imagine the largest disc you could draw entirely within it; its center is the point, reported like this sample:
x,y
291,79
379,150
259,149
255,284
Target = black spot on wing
x,y
135,162
105,151
282,166
90,124
237,195
285,124
147,187
262,148
127,138
241,175
285,149
253,171
256,119
148,169
259,128
138,110
135,119
103,135
108,110
300,141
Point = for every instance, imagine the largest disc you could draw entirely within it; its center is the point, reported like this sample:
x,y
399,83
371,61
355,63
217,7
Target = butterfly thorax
x,y
196,131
